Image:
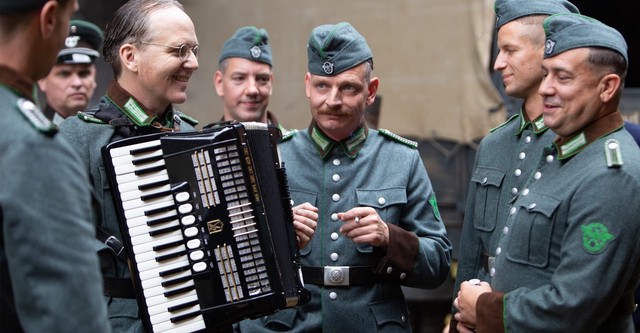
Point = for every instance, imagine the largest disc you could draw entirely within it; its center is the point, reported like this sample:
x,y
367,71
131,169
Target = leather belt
x,y
340,276
118,287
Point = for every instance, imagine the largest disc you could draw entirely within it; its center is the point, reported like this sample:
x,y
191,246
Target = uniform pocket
x,y
391,316
531,233
388,202
488,182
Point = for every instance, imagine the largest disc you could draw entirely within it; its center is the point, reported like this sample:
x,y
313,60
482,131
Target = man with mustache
x,y
378,225
152,48
72,80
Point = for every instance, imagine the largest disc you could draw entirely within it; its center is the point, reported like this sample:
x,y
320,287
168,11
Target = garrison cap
x,y
333,49
249,43
509,10
82,45
8,7
570,31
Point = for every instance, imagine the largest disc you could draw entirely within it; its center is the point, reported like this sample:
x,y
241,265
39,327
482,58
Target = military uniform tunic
x,y
369,169
569,256
504,160
107,122
49,274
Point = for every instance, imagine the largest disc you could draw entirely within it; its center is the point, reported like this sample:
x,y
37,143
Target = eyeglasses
x,y
183,50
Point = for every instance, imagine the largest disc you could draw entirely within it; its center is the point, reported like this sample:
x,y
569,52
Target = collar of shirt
x,y
350,146
537,125
17,82
135,111
571,145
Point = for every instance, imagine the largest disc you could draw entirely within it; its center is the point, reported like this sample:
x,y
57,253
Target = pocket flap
x,y
380,198
487,176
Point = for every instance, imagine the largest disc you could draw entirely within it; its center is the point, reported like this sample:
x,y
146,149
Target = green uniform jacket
x,y
49,274
390,177
88,135
504,160
569,257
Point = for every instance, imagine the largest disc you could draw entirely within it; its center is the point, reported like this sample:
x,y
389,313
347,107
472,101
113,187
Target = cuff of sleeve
x,y
489,313
401,253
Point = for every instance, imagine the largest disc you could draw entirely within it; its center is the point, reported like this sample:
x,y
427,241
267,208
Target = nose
x,y
76,80
334,98
500,63
191,62
545,88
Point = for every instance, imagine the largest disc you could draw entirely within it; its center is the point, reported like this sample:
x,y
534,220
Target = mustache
x,y
334,113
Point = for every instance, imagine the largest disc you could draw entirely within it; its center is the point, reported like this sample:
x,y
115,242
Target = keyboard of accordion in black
x,y
206,218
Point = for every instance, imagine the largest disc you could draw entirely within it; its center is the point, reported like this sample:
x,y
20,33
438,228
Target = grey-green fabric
x,y
335,48
8,7
248,43
548,263
390,177
47,262
82,45
570,31
509,10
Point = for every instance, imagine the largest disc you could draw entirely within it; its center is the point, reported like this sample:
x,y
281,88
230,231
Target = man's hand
x,y
364,225
466,303
305,221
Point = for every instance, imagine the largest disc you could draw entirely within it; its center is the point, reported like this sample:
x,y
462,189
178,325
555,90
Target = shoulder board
x,y
506,122
33,114
288,134
189,119
398,138
89,118
612,153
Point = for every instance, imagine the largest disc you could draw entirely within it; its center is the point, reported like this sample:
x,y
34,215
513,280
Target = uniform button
x,y
518,172
334,216
334,256
537,175
484,180
498,251
381,201
291,201
532,206
514,191
525,191
335,197
403,275
333,295
334,235
403,318
522,156
389,270
336,162
336,177
513,210
550,158
505,230
527,139
492,271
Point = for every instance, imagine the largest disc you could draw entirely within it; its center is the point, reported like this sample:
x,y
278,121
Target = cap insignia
x,y
548,47
327,67
256,52
71,41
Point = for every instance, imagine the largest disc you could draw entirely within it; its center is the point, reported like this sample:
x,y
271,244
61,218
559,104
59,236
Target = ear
x,y
128,56
42,85
609,85
373,90
48,18
307,83
217,82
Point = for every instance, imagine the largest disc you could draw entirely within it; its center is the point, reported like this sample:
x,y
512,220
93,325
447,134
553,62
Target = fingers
x,y
305,222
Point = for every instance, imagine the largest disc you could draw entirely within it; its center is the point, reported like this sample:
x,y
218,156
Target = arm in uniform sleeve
x,y
489,310
419,253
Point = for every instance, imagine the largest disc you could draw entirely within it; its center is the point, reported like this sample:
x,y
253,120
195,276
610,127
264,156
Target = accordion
x,y
207,224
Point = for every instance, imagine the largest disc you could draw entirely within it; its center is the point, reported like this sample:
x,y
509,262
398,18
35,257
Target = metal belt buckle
x,y
336,275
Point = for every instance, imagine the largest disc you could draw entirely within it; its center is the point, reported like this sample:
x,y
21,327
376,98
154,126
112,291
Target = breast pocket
x,y
388,203
532,229
488,182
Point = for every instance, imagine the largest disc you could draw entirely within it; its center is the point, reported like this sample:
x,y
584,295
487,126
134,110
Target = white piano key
x,y
160,290
152,264
191,325
142,220
146,238
154,273
131,213
137,194
166,316
127,168
128,159
151,255
127,150
157,281
173,301
161,298
131,181
142,246
137,203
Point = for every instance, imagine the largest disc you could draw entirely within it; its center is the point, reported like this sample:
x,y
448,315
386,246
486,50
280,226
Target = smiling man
x,y
72,80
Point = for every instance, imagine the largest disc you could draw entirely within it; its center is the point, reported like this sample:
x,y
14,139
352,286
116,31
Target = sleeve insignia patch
x,y
434,205
595,237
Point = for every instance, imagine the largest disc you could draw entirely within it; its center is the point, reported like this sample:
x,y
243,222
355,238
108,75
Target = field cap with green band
x,y
509,10
9,7
249,43
570,31
333,49
82,45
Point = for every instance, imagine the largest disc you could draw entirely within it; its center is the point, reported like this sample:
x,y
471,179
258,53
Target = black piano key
x,y
161,220
175,281
170,256
153,185
144,160
174,271
155,195
167,245
163,231
159,210
185,316
149,170
179,291
182,306
145,150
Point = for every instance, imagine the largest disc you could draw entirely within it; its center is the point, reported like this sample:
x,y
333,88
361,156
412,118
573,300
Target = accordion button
x,y
191,232
199,267
188,220
185,208
196,255
182,196
193,243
